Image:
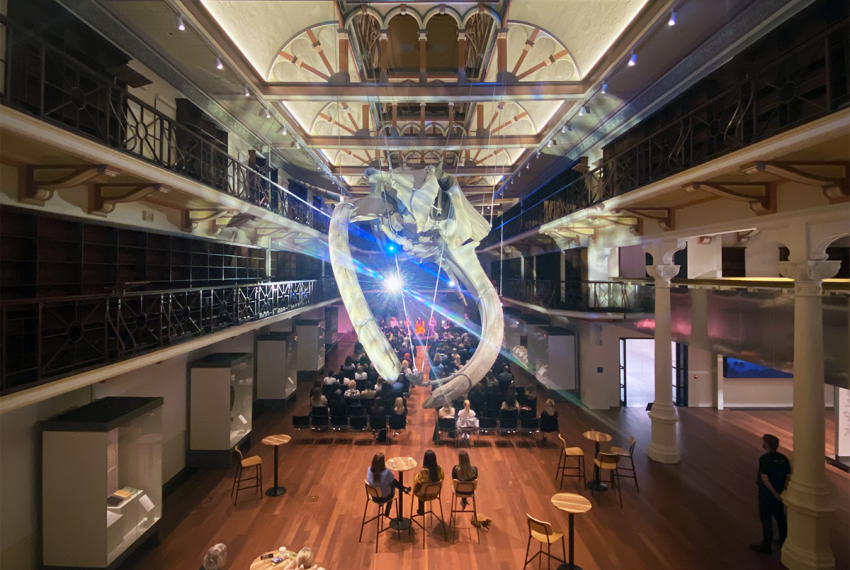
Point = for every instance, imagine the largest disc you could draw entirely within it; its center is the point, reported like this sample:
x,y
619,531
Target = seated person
x,y
430,473
378,421
369,392
399,409
348,366
505,378
464,471
447,411
352,395
361,373
477,399
509,405
379,476
329,380
549,418
467,423
317,399
336,405
304,560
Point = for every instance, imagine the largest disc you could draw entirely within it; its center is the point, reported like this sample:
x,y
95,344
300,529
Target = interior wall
x,y
632,262
761,392
640,372
702,378
704,260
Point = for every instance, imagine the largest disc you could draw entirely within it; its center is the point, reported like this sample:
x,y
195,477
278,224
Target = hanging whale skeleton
x,y
433,221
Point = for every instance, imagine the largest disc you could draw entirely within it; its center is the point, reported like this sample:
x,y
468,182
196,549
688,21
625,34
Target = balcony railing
x,y
805,84
47,339
589,296
45,82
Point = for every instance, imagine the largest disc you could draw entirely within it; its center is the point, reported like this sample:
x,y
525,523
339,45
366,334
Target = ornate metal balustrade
x,y
47,83
47,339
604,296
805,84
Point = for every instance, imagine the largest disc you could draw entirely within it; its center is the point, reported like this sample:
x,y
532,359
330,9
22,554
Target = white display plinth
x,y
101,482
276,372
311,345
221,396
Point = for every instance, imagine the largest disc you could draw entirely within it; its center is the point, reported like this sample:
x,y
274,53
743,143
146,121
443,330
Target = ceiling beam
x,y
419,93
468,190
438,142
459,171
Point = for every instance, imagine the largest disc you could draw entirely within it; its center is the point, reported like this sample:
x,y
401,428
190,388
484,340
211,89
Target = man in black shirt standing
x,y
774,470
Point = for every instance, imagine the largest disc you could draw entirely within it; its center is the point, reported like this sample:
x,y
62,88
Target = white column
x,y
664,447
807,497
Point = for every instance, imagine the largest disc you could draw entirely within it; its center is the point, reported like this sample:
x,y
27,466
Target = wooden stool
x,y
609,462
428,495
629,454
374,495
464,490
543,533
253,461
570,453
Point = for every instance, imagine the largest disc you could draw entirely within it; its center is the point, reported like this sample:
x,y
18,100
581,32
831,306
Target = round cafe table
x,y
572,504
597,437
276,441
401,464
264,561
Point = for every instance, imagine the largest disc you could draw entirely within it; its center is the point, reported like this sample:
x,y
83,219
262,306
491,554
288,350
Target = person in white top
x,y
330,380
467,423
360,374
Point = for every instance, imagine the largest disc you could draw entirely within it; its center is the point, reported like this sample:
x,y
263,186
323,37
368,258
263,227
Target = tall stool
x,y
629,454
374,495
464,490
609,462
254,461
429,493
543,533
568,453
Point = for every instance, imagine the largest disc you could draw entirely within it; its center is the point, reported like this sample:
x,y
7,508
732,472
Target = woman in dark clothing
x,y
430,473
378,421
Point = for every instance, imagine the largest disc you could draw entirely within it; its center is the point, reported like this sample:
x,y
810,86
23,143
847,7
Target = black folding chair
x,y
301,422
508,422
397,424
447,425
319,418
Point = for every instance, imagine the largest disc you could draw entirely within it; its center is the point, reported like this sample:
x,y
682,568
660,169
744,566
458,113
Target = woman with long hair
x,y
379,476
430,473
464,471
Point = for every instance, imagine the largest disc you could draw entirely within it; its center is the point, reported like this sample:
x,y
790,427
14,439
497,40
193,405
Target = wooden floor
x,y
700,514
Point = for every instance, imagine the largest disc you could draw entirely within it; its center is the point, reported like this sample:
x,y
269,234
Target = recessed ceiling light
x,y
672,20
633,60
180,25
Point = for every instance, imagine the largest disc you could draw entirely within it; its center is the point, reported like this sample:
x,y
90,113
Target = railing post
x,y
40,336
41,79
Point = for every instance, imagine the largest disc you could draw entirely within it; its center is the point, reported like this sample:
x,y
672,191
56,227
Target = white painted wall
x,y
704,260
640,372
761,392
632,262
702,374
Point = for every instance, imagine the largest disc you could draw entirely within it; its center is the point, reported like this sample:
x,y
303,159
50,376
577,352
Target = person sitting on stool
x,y
774,470
379,476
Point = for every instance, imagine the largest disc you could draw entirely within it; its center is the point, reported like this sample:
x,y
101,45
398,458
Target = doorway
x,y
637,372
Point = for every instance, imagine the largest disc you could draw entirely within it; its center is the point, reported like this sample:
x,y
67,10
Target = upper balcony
x,y
805,83
45,83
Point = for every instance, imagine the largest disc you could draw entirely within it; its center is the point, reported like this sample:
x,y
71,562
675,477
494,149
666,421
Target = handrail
x,y
47,339
749,111
45,82
608,296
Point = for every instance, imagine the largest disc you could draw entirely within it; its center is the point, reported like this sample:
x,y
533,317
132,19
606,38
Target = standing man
x,y
774,470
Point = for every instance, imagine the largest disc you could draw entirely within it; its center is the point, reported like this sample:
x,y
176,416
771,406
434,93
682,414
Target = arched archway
x,y
442,50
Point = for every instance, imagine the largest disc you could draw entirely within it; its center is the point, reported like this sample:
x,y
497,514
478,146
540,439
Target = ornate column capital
x,y
808,275
662,274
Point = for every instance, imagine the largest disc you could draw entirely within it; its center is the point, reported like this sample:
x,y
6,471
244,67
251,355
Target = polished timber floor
x,y
700,514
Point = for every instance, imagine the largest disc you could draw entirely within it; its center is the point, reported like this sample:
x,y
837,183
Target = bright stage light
x,y
451,283
393,284
392,248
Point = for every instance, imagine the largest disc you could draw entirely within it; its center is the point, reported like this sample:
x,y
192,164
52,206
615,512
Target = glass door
x,y
623,372
680,374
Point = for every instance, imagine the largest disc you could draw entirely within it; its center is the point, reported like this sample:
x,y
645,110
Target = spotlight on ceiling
x,y
219,65
268,114
297,145
284,130
392,247
582,110
633,60
549,144
672,20
604,87
393,284
180,25
246,93
527,165
564,129
451,283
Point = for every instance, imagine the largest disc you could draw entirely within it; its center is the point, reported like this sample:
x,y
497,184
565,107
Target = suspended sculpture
x,y
431,222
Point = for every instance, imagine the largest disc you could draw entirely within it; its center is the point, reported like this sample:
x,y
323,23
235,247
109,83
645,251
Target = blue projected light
x,y
392,247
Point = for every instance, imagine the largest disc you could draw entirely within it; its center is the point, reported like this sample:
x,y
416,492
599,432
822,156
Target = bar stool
x,y
429,493
254,461
629,454
608,462
464,490
570,453
543,533
373,495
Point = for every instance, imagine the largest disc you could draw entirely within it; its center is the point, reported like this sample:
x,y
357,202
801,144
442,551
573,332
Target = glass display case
x,y
310,334
101,481
512,327
331,326
221,397
841,458
276,371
